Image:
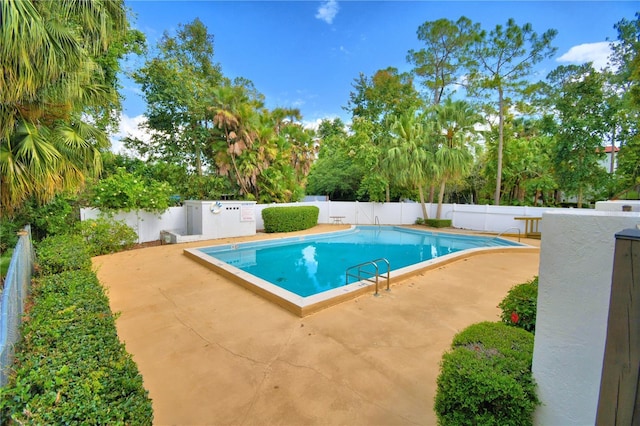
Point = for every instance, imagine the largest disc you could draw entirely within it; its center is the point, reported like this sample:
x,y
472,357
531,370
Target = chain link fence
x,y
14,294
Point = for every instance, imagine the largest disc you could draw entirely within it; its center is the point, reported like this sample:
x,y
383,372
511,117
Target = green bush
x,y
105,236
438,223
56,217
520,305
486,378
289,219
70,366
60,253
8,234
124,191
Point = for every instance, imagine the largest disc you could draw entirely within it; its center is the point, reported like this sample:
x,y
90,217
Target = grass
x,y
5,260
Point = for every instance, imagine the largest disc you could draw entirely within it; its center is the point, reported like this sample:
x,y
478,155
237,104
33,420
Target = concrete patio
x,y
213,353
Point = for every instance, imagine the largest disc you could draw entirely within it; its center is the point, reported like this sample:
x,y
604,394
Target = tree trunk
x,y
496,197
432,191
198,153
440,198
387,193
613,152
580,198
425,215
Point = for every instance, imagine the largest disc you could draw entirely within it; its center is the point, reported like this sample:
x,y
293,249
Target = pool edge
x,y
304,306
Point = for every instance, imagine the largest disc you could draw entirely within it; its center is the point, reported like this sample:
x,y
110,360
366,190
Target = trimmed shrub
x,y
486,378
70,367
104,236
438,223
520,305
289,219
60,253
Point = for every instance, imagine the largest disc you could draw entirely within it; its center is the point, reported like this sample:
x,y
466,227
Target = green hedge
x,y
438,223
60,253
486,378
289,219
104,236
520,305
70,366
434,223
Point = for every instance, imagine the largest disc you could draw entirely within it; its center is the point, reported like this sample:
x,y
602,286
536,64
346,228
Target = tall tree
x,y
334,173
387,93
178,84
454,134
626,96
56,81
501,61
578,100
411,155
443,60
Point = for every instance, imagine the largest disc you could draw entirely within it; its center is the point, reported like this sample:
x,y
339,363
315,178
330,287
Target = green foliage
x,y
441,63
438,223
289,219
55,217
125,191
8,236
5,261
70,367
577,95
486,378
59,90
103,236
520,305
64,252
336,172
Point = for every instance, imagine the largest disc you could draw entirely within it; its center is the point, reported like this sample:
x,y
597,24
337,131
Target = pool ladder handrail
x,y
508,229
376,221
369,275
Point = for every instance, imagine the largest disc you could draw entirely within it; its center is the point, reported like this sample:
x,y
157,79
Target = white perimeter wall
x,y
576,265
464,216
147,225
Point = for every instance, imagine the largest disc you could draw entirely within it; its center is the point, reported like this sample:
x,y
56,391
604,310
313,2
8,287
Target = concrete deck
x,y
212,352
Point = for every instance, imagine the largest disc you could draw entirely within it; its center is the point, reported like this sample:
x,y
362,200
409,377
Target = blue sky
x,y
306,54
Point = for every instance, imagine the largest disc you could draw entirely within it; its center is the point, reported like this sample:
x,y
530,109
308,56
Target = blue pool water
x,y
316,263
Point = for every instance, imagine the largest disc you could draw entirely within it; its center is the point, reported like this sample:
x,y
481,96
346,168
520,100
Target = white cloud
x,y
129,127
314,125
598,53
327,11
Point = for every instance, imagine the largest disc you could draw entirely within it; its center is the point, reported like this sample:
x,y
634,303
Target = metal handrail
x,y
508,229
371,274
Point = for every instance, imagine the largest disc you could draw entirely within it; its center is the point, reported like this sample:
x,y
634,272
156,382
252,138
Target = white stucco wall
x,y
616,205
147,225
576,263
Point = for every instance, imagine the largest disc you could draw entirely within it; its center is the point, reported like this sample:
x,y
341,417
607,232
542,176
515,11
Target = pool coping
x,y
304,306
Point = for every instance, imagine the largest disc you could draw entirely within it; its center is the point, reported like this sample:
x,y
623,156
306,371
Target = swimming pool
x,y
309,270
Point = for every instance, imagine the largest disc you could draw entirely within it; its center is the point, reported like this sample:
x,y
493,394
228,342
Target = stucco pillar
x,y
576,262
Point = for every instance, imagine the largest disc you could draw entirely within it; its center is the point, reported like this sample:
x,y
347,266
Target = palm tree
x,y
237,118
409,155
454,130
50,78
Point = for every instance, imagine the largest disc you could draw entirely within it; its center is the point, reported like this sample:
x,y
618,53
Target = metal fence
x,y
16,289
